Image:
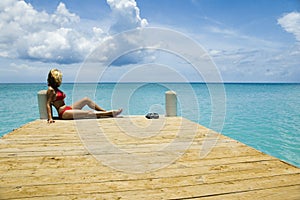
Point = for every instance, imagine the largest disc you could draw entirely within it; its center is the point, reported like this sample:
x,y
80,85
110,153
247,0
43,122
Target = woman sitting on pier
x,y
56,98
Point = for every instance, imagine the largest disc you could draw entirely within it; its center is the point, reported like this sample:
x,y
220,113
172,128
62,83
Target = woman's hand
x,y
50,121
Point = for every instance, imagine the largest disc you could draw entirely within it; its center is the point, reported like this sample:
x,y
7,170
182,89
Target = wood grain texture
x,y
95,159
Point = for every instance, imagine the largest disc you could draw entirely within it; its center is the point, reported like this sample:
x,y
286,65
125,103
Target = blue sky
x,y
249,40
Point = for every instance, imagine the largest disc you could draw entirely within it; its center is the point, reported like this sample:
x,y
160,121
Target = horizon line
x,y
192,82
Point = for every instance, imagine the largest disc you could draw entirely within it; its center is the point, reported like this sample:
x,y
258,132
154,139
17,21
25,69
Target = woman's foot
x,y
104,114
115,113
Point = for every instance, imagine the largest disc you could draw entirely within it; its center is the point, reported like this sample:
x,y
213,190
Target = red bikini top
x,y
60,95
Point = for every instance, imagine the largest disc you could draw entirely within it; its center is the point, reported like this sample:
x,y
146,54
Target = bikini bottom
x,y
63,111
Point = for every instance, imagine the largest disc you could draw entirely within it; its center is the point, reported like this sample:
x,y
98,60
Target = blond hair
x,y
54,78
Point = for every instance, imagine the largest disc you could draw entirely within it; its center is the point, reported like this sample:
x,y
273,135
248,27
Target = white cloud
x,y
63,17
33,35
126,14
291,23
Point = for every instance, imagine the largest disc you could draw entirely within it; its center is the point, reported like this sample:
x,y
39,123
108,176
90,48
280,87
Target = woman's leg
x,y
86,102
78,114
85,114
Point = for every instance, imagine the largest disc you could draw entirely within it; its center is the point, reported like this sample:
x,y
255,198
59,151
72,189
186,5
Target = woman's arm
x,y
50,98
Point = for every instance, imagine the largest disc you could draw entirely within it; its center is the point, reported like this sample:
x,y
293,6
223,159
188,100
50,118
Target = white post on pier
x,y
171,104
42,100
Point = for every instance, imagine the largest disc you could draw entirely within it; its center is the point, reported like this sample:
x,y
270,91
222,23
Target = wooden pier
x,y
138,159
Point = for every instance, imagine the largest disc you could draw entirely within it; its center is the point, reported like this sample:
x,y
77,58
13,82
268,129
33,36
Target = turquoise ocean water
x,y
264,116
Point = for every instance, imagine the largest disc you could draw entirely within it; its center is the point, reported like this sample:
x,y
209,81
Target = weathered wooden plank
x,y
206,174
174,187
149,144
278,193
42,166
24,162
